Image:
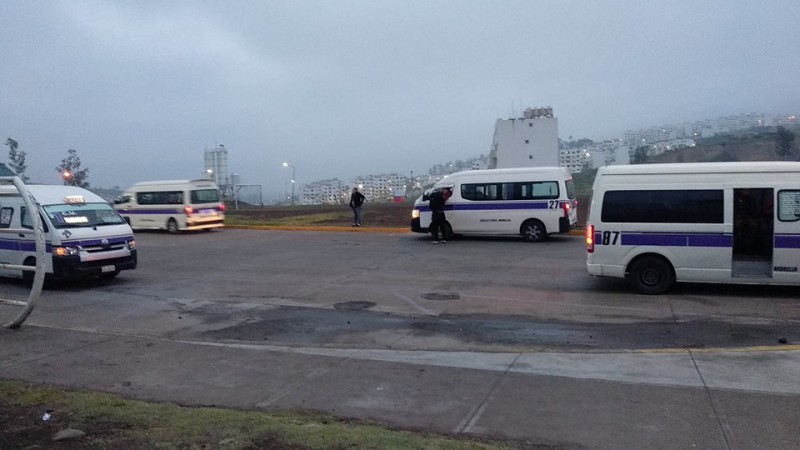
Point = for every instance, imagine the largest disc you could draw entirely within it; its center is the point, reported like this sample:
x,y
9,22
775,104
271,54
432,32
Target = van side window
x,y
789,206
27,222
160,198
6,214
529,190
663,206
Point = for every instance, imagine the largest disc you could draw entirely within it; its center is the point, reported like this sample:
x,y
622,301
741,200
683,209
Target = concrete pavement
x,y
732,398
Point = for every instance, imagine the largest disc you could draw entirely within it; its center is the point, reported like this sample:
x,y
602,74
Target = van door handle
x,y
21,235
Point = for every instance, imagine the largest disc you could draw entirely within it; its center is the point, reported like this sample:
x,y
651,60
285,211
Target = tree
x,y
784,139
71,172
17,159
640,155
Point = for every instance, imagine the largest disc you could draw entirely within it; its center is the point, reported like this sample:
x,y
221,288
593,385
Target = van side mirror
x,y
425,197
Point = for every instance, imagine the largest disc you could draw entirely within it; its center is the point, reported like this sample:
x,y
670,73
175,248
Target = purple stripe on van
x,y
787,241
491,205
678,240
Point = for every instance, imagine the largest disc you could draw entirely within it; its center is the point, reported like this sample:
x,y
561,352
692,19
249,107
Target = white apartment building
x,y
528,141
325,192
380,188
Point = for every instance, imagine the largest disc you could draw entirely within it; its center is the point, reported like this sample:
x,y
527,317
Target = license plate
x,y
105,269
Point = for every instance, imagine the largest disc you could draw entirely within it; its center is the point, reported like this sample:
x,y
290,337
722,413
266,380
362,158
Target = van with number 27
x,y
658,224
531,202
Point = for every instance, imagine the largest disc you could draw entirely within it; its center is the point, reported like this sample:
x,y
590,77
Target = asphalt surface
x,y
359,325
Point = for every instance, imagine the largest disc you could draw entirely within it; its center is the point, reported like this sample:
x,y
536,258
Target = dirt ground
x,y
393,215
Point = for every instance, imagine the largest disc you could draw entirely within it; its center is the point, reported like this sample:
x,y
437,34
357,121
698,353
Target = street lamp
x,y
293,178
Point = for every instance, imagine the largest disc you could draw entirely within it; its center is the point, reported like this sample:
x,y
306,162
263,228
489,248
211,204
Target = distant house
x,y
6,172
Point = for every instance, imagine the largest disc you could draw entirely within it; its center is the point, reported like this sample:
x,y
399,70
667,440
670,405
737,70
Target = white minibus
x,y
656,224
529,201
173,205
84,235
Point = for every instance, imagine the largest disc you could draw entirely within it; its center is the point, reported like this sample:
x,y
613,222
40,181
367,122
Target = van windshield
x,y
82,215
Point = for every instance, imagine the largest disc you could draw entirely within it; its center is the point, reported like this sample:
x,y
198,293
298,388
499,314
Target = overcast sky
x,y
347,88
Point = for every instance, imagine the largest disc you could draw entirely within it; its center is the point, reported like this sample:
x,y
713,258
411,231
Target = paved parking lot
x,y
493,337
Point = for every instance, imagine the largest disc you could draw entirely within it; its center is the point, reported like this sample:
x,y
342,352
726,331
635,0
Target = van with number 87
x,y
731,222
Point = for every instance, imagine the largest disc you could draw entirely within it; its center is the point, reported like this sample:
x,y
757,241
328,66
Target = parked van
x,y
174,205
531,201
84,235
656,224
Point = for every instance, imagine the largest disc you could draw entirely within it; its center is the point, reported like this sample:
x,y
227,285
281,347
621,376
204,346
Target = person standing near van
x,y
438,226
356,200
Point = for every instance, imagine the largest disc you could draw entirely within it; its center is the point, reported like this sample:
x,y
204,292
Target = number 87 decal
x,y
610,238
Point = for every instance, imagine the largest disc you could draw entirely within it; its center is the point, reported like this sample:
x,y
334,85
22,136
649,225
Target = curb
x,y
318,228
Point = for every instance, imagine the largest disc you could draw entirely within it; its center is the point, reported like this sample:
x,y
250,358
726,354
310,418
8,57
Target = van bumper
x,y
416,228
72,267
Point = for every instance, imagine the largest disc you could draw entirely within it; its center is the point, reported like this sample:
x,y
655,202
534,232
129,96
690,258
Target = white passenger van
x,y
174,205
656,224
530,201
84,235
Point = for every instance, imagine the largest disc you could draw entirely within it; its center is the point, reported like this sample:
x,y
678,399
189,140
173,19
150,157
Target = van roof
x,y
198,182
450,179
705,167
46,194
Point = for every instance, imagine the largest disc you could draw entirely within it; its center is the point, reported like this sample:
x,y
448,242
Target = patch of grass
x,y
111,421
343,218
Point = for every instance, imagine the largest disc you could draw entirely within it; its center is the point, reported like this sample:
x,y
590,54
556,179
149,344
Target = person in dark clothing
x,y
356,200
439,226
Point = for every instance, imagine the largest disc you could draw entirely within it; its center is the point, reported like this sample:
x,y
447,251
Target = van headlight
x,y
65,251
132,245
415,214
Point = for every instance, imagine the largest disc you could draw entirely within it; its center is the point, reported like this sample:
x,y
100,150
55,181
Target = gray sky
x,y
347,88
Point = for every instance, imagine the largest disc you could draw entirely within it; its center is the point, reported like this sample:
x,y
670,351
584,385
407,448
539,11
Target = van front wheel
x,y
533,231
172,226
651,275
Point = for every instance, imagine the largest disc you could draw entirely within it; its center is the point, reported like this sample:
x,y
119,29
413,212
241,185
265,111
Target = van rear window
x,y
663,206
205,196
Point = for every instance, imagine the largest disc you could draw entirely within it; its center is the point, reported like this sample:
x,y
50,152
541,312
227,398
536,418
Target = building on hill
x,y
528,141
325,192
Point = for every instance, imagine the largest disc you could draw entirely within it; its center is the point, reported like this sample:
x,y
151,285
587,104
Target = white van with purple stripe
x,y
84,235
172,205
733,222
532,202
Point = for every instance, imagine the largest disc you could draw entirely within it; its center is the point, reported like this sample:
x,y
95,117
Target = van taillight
x,y
590,238
221,207
188,210
565,207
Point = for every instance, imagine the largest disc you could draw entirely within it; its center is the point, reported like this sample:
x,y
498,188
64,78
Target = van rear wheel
x,y
533,231
172,226
651,275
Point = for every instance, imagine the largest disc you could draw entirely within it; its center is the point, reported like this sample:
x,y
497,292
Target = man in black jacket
x,y
356,200
436,201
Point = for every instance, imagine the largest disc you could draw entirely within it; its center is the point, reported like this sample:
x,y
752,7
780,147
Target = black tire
x,y
172,226
448,230
651,275
533,231
27,275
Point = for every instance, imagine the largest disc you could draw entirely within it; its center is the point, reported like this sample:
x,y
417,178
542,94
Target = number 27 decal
x,y
552,204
